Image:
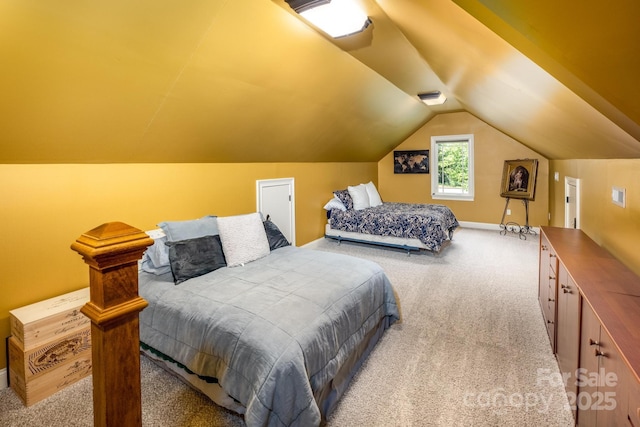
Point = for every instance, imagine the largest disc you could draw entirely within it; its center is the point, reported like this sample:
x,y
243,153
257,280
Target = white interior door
x,y
275,198
572,202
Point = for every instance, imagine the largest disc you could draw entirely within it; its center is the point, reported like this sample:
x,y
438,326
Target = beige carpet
x,y
471,350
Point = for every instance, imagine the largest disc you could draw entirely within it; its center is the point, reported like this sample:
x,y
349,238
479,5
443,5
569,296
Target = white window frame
x,y
435,193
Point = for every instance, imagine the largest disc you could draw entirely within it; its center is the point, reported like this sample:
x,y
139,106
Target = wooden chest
x,y
39,373
50,319
50,346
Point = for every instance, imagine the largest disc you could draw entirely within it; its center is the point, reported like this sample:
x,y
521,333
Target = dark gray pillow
x,y
274,235
195,257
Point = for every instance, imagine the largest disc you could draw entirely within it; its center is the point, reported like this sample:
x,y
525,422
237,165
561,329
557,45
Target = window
x,y
452,168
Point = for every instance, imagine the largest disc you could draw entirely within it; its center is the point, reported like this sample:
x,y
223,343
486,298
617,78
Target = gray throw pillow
x,y
274,235
189,229
195,257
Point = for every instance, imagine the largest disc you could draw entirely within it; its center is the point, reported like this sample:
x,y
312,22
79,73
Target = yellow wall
x,y
491,149
46,207
616,229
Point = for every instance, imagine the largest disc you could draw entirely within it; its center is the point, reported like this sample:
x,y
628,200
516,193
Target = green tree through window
x,y
453,167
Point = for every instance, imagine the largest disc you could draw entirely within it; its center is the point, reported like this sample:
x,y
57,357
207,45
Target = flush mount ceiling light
x,y
433,98
338,18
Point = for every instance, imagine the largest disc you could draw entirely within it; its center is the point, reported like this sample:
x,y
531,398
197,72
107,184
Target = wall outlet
x,y
508,211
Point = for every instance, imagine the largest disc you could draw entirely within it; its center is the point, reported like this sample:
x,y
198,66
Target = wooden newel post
x,y
112,251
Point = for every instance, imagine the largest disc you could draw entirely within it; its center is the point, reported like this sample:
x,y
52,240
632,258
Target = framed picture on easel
x,y
519,179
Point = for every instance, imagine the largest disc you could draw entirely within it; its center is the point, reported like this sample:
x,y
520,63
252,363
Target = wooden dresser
x,y
591,306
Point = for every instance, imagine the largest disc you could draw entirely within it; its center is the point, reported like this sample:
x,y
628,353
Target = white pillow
x,y
335,203
374,196
243,238
359,196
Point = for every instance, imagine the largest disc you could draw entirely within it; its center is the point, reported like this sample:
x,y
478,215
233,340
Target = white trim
x,y
463,224
436,141
4,383
488,226
479,225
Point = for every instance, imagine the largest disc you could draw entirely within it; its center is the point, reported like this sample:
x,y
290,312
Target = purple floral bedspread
x,y
431,224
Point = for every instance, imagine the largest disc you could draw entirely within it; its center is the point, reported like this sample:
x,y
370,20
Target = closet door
x,y
275,198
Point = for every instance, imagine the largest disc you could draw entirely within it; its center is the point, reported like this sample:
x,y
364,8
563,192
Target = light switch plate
x,y
619,196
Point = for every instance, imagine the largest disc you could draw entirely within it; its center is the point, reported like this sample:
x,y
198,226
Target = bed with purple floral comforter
x,y
431,224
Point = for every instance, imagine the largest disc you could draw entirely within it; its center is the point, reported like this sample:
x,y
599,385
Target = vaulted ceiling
x,y
250,81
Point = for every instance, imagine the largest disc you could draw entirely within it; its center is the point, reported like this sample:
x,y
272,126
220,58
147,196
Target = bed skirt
x,y
388,241
327,398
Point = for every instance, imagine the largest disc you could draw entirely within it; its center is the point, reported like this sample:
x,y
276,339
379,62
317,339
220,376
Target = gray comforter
x,y
271,332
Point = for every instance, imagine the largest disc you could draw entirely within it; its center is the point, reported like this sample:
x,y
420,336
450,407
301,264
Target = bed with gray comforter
x,y
282,335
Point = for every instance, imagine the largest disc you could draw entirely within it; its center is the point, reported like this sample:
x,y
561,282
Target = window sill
x,y
452,197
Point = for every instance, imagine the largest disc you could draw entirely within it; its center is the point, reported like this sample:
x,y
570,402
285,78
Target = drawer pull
x,y
550,322
552,278
592,342
552,300
566,290
600,353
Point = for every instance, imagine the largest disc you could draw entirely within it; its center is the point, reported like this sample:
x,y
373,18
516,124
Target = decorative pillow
x,y
274,235
374,196
190,229
195,257
335,203
345,198
359,196
243,238
156,258
158,252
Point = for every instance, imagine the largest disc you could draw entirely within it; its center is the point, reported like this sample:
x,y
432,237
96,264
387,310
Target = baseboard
x,y
479,225
3,379
465,224
488,226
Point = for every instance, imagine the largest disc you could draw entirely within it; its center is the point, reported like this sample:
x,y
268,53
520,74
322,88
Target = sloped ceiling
x,y
249,81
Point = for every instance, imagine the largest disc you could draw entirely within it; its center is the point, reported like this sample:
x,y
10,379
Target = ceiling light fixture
x,y
338,18
433,98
